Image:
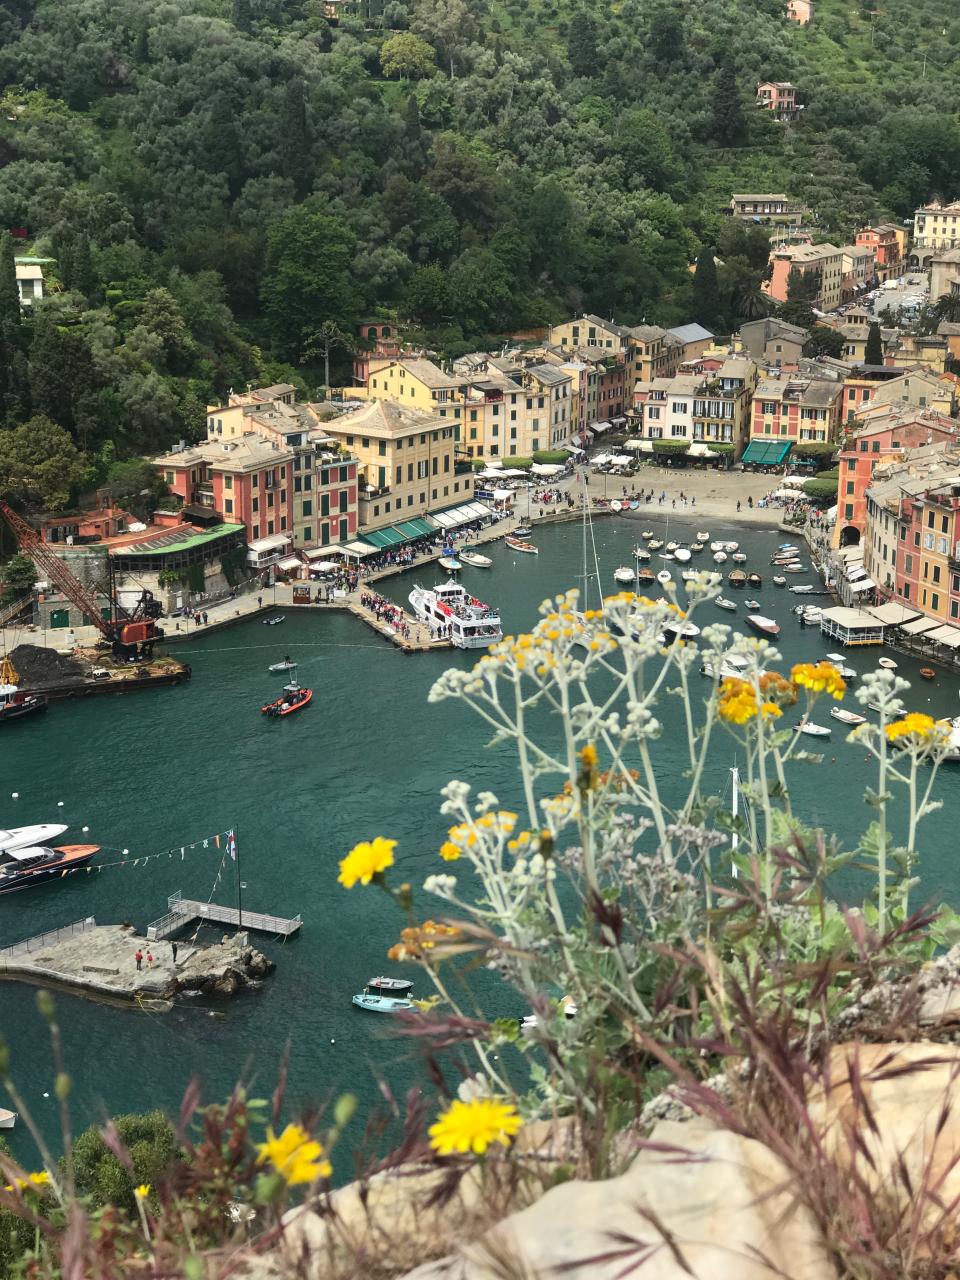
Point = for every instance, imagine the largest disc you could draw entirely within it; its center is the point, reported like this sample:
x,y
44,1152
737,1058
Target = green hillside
x,y
216,179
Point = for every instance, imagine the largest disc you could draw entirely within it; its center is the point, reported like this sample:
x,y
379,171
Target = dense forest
x,y
227,186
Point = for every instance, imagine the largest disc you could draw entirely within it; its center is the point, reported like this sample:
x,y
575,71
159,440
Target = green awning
x,y
381,538
767,453
415,528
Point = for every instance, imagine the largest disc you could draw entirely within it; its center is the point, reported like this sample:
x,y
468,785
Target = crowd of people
x,y
385,610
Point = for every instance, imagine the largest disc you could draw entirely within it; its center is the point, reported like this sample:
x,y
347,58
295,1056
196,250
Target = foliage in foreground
x,y
689,942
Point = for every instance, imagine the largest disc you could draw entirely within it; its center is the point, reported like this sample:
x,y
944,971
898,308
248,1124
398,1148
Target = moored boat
x,y
470,623
451,564
719,557
802,590
517,544
927,673
655,544
740,557
36,864
847,717
647,533
18,704
389,986
672,546
523,530
285,665
22,837
779,581
475,560
702,537
274,621
682,554
767,626
751,604
813,730
722,603
623,574
737,578
716,546
641,554
754,580
888,664
7,1118
696,546
664,576
376,1003
645,576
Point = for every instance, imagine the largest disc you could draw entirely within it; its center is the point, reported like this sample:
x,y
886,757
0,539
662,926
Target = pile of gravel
x,y
38,667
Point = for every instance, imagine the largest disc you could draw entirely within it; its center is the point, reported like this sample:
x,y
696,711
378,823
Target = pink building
x,y
780,97
800,11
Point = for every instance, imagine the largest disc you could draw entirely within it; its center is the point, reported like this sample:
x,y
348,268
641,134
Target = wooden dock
x,y
183,911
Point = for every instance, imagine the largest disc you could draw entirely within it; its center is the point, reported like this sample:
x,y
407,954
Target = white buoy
x,y
84,830
59,804
46,1095
15,795
332,1041
125,852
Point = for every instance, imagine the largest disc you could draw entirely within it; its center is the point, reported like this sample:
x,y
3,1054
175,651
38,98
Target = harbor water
x,y
167,769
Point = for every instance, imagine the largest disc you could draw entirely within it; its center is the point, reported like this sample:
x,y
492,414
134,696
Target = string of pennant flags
x,y
222,840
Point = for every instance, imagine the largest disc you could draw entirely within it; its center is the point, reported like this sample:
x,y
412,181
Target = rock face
x,y
222,969
712,1207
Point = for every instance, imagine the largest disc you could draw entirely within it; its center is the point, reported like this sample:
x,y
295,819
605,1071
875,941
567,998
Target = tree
x,y
729,121
426,297
295,149
706,289
135,485
149,1140
824,341
322,342
582,43
9,293
666,35
19,575
40,463
873,352
407,57
445,23
309,278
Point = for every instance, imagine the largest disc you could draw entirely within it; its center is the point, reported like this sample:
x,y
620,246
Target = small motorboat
x,y
389,986
813,730
667,555
517,544
35,865
623,574
722,603
779,581
716,546
737,578
751,604
7,1118
801,591
23,837
664,576
688,575
927,673
702,537
645,577
787,546
451,564
641,554
655,544
811,615
888,664
523,530
374,1002
847,717
475,560
696,546
682,554
754,580
794,568
274,621
680,630
731,546
647,533
616,505
719,557
672,546
767,626
285,665
740,557
732,667
293,698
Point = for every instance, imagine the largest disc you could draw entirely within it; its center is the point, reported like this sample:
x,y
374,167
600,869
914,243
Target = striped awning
x,y
949,636
767,453
920,626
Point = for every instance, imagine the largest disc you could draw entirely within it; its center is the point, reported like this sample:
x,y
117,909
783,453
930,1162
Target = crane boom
x,y
121,631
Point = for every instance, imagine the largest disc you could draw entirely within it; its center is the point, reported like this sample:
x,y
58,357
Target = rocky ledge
x,y
227,967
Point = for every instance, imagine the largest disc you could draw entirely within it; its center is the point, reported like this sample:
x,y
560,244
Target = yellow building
x,y
407,461
512,409
418,384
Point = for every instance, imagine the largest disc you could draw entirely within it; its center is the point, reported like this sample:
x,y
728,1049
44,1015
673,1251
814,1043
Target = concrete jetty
x,y
99,961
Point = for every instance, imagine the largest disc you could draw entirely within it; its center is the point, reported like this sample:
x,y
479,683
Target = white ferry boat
x,y
473,624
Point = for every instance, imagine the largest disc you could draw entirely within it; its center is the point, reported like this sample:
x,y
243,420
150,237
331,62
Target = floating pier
x,y
183,911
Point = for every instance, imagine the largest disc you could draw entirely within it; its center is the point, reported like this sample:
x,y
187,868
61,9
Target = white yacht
x,y
22,837
473,624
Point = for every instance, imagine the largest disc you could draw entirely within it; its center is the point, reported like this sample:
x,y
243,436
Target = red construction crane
x,y
126,632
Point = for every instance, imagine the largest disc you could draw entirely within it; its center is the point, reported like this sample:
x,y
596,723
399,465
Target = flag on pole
x,y
232,845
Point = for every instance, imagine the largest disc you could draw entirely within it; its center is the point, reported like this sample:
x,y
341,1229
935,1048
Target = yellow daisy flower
x,y
473,1126
294,1155
365,860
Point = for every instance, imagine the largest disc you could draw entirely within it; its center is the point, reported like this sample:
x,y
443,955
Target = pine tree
x,y
873,354
706,289
582,44
729,122
295,158
9,293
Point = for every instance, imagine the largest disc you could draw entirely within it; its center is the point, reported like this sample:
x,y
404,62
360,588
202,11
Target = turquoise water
x,y
368,757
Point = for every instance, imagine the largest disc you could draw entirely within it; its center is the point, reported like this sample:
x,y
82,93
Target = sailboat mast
x,y
734,810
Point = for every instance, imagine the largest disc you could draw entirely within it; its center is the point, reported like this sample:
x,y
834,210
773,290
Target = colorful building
x,y
407,461
823,261
936,227
796,410
778,97
889,244
778,209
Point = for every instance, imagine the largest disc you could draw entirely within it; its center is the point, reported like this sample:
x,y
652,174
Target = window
x,y
851,486
848,511
928,541
382,448
942,546
934,601
308,507
228,482
930,518
228,506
